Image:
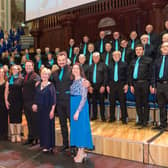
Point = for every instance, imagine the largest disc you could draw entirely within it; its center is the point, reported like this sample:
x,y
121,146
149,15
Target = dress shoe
x,y
124,122
160,127
64,148
111,120
138,123
45,150
28,142
93,119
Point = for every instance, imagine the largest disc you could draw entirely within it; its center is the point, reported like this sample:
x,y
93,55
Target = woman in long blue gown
x,y
45,101
80,131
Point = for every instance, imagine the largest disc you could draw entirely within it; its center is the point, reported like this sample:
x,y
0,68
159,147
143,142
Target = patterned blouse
x,y
77,89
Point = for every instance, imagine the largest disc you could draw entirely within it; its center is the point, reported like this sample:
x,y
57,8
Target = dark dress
x,y
15,99
80,135
45,98
3,115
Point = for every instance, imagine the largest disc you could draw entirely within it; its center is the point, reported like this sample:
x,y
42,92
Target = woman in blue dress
x,y
45,100
80,131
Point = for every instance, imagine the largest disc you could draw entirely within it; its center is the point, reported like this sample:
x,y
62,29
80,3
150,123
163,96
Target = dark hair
x,y
30,62
139,45
62,53
82,73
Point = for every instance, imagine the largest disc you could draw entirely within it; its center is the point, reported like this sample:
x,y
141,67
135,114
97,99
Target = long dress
x,y
80,131
45,98
3,115
15,99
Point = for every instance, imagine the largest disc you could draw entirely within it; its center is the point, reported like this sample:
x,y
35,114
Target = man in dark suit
x,y
62,80
84,45
117,85
70,48
148,48
160,84
89,56
153,38
106,56
100,44
139,80
126,55
116,41
97,75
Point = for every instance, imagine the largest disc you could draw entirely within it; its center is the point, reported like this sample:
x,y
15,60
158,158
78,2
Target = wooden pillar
x,y
67,21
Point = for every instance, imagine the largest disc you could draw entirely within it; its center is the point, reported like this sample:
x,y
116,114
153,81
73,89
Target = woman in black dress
x,y
14,102
44,104
3,110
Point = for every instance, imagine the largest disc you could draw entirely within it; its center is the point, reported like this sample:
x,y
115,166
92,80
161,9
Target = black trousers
x,y
63,109
32,121
117,92
96,95
162,98
141,98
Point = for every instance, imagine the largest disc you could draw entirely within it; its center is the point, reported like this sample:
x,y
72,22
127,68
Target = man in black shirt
x,y
139,77
117,86
30,80
97,75
160,82
62,81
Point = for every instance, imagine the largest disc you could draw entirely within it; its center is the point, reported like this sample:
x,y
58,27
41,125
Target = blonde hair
x,y
48,71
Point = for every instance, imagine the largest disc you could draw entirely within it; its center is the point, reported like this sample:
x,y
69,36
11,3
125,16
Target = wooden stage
x,y
125,141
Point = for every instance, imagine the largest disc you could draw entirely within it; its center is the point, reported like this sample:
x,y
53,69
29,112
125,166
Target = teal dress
x,y
80,131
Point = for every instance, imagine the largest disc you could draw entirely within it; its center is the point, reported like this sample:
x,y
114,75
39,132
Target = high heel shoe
x,y
81,158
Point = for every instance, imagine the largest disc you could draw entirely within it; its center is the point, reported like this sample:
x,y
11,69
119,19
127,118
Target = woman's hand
x,y
51,115
7,104
34,107
76,116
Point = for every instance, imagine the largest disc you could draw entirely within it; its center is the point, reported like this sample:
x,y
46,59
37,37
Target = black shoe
x,y
111,120
28,142
64,148
47,150
34,142
124,122
104,120
73,151
138,123
160,127
93,119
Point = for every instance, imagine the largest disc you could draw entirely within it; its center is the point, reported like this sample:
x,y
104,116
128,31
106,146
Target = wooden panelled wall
x,y
55,30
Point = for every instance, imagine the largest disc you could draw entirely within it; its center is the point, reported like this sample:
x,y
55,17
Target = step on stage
x,y
126,141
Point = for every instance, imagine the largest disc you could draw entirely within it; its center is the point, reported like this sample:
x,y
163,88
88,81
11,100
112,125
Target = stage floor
x,y
125,141
19,156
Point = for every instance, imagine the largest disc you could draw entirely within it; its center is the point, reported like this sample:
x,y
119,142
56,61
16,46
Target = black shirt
x,y
122,72
144,70
101,74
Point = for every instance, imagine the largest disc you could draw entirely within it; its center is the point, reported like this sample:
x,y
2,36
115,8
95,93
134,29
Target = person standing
x,y
117,85
97,75
30,80
62,81
80,131
3,110
159,84
14,102
139,80
44,103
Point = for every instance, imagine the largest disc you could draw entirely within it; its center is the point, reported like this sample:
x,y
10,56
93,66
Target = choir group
x,y
72,83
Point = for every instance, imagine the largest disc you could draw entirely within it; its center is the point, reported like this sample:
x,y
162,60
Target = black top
x,y
29,86
122,72
97,44
156,71
63,86
101,74
144,70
